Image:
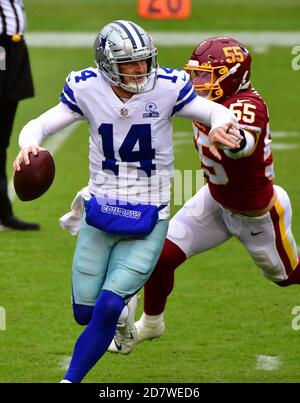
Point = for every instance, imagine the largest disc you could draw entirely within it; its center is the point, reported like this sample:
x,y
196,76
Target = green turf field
x,y
222,314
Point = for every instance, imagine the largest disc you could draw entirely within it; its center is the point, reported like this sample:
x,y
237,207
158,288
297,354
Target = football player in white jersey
x,y
129,103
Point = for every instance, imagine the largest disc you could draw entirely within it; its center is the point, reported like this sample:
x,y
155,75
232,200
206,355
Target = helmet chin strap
x,y
234,68
134,86
243,84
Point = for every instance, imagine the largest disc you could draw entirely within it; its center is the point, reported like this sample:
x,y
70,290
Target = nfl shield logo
x,y
124,112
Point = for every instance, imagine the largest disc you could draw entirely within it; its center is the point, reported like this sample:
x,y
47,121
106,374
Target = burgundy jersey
x,y
244,183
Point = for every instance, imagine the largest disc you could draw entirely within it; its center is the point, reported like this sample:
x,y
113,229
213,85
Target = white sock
x,y
123,315
151,319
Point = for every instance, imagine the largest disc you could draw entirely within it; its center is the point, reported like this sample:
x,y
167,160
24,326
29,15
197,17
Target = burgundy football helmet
x,y
219,67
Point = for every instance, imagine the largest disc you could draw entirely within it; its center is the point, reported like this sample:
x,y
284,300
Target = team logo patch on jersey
x,y
151,111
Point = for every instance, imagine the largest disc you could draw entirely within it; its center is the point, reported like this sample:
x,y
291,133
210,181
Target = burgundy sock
x,y
294,277
161,282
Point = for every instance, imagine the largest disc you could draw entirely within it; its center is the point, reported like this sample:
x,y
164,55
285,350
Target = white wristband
x,y
236,153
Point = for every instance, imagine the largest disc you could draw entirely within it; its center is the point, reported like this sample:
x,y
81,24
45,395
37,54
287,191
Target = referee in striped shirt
x,y
15,84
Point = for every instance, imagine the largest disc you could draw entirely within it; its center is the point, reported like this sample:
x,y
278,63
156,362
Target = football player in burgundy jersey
x,y
239,198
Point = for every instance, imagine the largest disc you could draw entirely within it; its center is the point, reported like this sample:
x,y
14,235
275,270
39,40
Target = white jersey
x,y
131,151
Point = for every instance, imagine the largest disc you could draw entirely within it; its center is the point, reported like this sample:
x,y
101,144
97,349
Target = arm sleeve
x,y
207,112
50,122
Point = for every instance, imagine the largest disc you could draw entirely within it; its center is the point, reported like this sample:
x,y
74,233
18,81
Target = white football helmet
x,y
124,41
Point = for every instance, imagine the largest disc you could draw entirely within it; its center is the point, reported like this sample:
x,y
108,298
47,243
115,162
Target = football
x,y
34,179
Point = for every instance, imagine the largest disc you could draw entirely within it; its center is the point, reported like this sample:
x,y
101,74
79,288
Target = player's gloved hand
x,y
24,155
226,136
